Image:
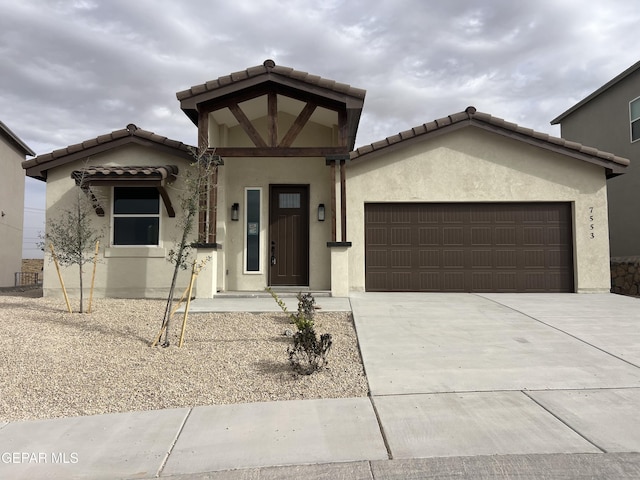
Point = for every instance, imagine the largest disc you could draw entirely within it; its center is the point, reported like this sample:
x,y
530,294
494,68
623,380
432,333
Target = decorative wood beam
x,y
279,151
246,125
272,101
95,203
343,200
203,132
332,173
343,129
166,200
213,206
298,125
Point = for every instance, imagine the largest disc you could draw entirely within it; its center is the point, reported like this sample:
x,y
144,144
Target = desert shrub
x,y
309,352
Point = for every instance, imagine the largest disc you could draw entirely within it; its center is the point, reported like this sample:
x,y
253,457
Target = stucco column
x,y
207,280
339,268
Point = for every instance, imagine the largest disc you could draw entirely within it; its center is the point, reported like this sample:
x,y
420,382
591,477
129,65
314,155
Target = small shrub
x,y
309,353
303,319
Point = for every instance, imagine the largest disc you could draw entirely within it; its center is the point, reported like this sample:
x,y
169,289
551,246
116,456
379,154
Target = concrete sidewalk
x,y
462,385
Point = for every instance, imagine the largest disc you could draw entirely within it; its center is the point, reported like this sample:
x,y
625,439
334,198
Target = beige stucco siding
x,y
472,165
12,207
122,271
242,173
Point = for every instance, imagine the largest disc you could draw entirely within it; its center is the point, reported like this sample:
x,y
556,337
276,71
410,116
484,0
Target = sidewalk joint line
x,y
587,439
384,436
173,444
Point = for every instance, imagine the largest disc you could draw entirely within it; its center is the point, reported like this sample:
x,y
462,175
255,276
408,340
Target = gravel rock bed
x,y
57,364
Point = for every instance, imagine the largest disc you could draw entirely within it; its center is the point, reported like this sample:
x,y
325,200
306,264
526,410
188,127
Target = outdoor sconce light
x,y
321,212
235,210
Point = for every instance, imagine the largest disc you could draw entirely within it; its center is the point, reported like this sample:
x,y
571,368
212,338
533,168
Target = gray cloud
x,y
75,69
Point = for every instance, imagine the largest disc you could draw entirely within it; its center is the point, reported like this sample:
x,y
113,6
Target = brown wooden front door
x,y
289,235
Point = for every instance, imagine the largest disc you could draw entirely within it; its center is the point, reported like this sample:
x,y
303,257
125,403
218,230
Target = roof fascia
x,y
39,170
612,168
15,140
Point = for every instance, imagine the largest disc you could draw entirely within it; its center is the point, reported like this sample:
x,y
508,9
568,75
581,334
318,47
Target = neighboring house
x,y
609,119
465,203
12,153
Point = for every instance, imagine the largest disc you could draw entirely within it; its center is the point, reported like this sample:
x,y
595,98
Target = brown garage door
x,y
483,247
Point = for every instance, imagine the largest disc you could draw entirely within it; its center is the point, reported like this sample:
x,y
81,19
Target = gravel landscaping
x,y
57,364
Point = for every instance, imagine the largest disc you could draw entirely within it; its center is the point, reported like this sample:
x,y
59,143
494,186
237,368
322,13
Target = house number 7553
x,y
592,234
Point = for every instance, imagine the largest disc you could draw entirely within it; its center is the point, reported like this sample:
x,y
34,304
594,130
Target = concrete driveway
x,y
502,373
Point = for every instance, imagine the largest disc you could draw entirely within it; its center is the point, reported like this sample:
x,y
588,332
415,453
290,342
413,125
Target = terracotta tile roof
x,y
97,173
470,116
13,138
593,95
270,68
37,167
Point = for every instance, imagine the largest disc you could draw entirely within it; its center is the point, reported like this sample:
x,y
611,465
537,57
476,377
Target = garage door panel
x,y
470,247
428,236
430,281
452,236
429,259
401,236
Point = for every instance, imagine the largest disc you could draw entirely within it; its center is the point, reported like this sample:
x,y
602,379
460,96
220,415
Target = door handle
x,y
273,253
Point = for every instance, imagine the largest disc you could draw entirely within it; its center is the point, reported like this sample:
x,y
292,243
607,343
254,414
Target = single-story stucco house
x,y
466,203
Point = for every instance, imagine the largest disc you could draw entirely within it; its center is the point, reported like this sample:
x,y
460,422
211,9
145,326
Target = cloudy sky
x,y
73,70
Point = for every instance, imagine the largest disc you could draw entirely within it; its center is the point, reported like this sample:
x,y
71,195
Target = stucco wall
x,y
12,208
604,123
240,173
471,165
127,272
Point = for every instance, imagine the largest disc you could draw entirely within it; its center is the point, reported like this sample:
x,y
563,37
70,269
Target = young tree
x,y
73,233
197,185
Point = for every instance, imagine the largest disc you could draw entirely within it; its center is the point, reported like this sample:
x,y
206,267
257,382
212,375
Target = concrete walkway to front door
x,y
495,374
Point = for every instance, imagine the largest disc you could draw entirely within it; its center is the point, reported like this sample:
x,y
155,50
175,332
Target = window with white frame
x,y
252,230
136,216
634,114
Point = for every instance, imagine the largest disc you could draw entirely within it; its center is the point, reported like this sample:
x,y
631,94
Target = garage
x,y
469,247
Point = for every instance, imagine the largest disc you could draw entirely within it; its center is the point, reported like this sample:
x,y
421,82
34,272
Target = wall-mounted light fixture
x,y
235,212
321,212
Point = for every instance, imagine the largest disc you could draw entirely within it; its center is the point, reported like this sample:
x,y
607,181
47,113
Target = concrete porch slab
x,y
497,423
225,303
223,437
123,445
608,418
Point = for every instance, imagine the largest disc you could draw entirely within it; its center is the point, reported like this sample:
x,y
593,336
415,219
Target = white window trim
x,y
112,223
260,235
632,121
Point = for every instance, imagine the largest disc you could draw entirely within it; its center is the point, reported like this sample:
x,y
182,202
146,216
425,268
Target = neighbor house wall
x,y
127,272
11,211
604,123
472,165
